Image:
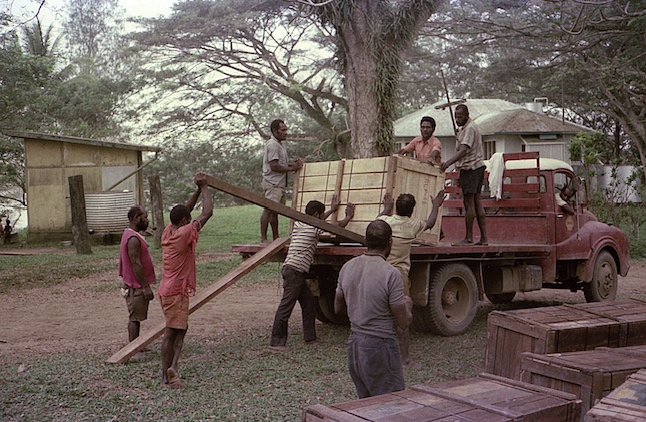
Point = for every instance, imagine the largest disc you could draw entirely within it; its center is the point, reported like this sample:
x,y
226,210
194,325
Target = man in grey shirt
x,y
372,292
275,166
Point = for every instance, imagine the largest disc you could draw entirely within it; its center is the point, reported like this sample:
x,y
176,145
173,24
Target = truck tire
x,y
603,286
326,308
452,300
500,297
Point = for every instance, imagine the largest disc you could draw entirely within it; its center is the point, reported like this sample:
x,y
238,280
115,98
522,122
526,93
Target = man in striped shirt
x,y
295,268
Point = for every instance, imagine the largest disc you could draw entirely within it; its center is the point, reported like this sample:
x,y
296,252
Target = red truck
x,y
533,244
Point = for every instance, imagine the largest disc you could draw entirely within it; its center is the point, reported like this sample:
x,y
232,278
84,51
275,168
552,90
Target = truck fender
x,y
585,269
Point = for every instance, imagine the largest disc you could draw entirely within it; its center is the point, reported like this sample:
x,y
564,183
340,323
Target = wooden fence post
x,y
157,208
79,219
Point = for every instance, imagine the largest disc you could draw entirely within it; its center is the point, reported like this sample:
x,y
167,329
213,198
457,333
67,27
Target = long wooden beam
x,y
203,297
282,209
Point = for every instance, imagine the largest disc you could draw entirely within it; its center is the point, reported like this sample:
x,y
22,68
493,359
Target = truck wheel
x,y
326,308
603,286
500,297
452,300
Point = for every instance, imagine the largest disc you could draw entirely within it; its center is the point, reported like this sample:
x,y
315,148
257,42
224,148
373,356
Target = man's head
x,y
405,204
461,114
315,209
138,218
567,192
427,127
180,215
379,237
278,129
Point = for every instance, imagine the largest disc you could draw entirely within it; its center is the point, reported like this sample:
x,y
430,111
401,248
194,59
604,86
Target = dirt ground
x,y
89,315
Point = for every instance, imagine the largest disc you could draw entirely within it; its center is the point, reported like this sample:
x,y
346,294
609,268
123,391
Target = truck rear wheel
x,y
325,309
603,286
452,300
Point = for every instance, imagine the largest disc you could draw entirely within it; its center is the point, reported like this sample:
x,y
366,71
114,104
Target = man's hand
x,y
148,293
298,164
444,166
439,199
200,179
335,203
349,210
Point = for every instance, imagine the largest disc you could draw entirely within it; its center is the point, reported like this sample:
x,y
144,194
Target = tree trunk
x,y
360,73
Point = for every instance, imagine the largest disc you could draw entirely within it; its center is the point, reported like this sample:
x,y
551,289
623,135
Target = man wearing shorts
x,y
468,160
405,230
372,292
136,269
275,166
179,240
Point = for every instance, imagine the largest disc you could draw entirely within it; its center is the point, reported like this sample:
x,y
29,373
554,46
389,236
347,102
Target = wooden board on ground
x,y
590,375
364,183
626,403
482,399
282,209
201,298
551,329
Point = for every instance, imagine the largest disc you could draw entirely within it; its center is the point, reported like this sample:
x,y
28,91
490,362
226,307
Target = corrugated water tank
x,y
108,211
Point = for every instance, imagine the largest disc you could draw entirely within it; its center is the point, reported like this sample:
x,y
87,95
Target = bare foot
x,y
173,379
264,242
279,348
482,243
463,242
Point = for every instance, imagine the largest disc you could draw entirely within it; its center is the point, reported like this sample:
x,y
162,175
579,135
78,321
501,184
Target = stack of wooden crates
x,y
364,182
586,349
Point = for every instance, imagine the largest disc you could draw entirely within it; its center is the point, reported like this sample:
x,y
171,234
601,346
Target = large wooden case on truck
x,y
364,183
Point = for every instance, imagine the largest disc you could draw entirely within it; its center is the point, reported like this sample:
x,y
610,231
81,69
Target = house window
x,y
489,149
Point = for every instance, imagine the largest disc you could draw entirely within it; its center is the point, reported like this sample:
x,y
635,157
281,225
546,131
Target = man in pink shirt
x,y
428,149
179,240
137,270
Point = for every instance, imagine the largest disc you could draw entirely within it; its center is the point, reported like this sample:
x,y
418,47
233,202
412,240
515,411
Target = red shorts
x,y
175,310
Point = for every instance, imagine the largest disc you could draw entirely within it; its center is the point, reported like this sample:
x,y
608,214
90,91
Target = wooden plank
x,y
281,209
202,298
318,412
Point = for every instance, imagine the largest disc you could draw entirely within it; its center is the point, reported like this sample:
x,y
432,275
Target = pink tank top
x,y
125,266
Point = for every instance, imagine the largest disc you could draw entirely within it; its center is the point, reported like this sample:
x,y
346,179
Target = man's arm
x,y
349,213
434,154
334,205
389,203
293,166
134,253
207,200
437,203
459,154
339,303
403,313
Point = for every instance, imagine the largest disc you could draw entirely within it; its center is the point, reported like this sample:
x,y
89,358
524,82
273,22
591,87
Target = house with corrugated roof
x,y
112,182
505,127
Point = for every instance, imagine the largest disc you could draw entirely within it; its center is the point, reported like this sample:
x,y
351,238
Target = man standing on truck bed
x,y
372,291
405,229
428,149
275,166
468,159
295,269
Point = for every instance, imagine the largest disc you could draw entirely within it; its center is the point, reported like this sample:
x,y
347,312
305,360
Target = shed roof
x,y
491,115
77,140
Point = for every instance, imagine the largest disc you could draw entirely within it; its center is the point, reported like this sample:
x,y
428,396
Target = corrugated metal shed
x,y
108,211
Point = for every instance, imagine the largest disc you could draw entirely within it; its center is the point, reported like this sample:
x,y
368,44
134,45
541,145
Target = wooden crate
x,y
552,329
364,183
558,329
590,375
626,403
631,313
486,398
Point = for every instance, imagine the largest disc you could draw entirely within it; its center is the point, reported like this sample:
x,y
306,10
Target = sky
x,y
51,9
